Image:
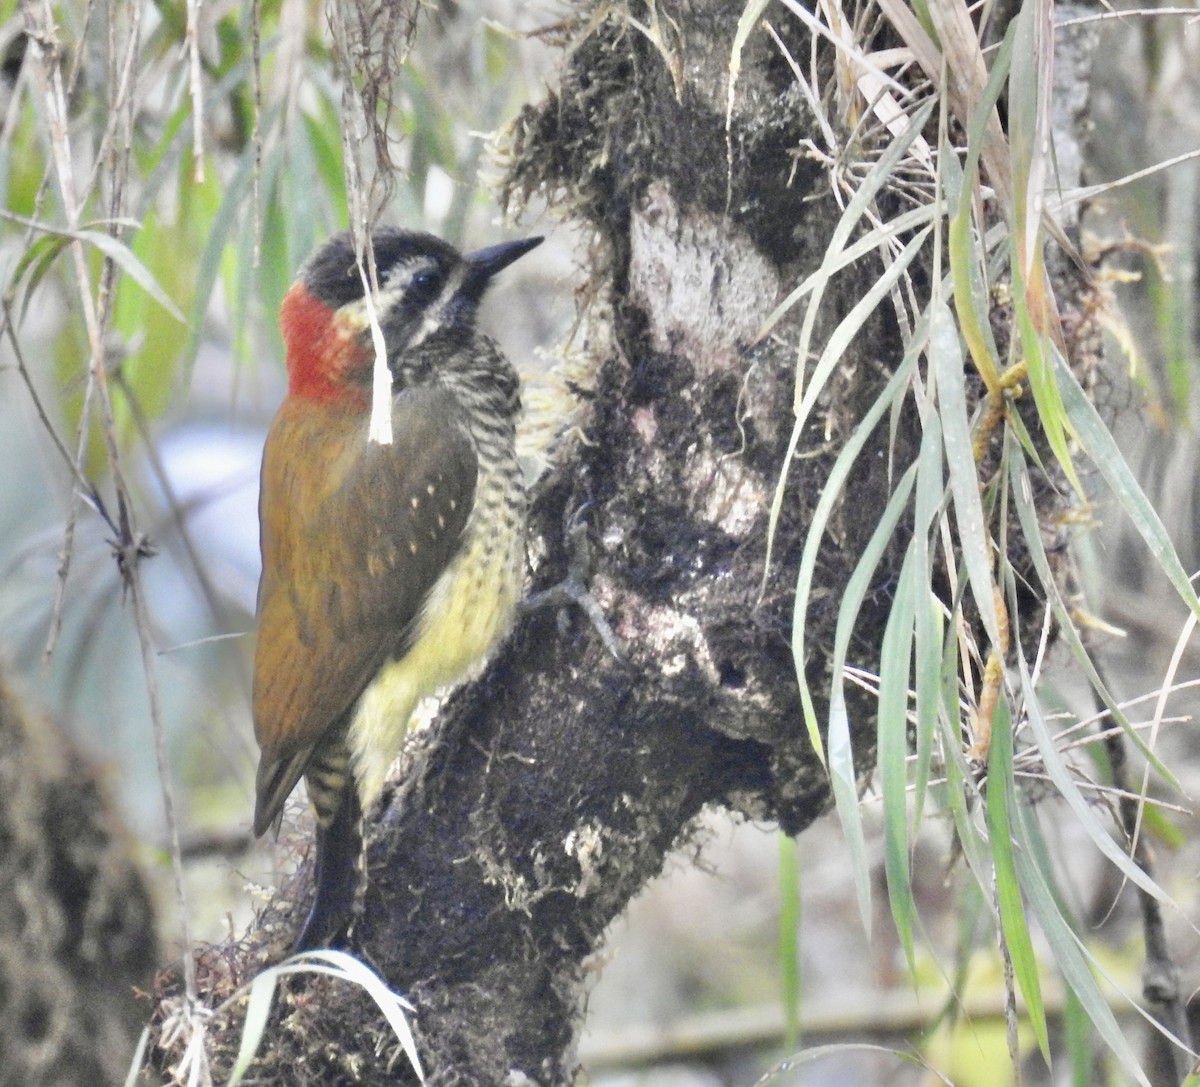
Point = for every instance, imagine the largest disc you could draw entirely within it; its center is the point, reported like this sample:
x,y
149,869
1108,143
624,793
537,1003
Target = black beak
x,y
483,264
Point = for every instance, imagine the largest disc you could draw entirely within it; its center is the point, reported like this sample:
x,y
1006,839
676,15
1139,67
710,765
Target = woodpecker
x,y
388,570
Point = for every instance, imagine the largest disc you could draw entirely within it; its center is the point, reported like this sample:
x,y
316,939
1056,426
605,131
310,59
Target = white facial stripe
x,y
391,290
399,276
435,314
395,284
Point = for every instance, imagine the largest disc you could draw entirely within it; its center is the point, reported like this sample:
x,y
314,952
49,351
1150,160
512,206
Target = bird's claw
x,y
573,589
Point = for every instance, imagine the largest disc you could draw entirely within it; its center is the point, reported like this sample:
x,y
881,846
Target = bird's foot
x,y
324,927
573,589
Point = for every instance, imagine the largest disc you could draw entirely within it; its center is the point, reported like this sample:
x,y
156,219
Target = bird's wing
x,y
354,536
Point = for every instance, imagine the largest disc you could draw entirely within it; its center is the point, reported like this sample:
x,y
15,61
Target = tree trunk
x,y
76,922
551,790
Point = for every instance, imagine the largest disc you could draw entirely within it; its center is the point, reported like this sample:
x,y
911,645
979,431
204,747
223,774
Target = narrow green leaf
x,y
1001,796
997,83
1077,1040
1016,425
1040,355
1101,447
894,670
115,250
946,358
921,9
970,294
282,247
220,228
855,209
149,369
296,181
159,162
1069,791
843,780
258,1010
850,325
1158,825
835,348
1070,955
838,342
820,1052
960,782
326,147
1029,102
927,664
830,493
841,754
43,248
1022,497
35,262
875,238
123,257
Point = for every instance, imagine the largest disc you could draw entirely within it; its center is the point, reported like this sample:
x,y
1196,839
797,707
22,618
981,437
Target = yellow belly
x,y
468,611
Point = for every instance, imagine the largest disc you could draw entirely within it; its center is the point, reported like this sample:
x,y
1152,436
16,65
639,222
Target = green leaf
x,y
216,238
894,669
1000,801
1077,1040
873,239
927,666
148,369
829,496
970,293
820,1052
110,247
876,177
258,1009
841,755
961,787
124,258
1101,447
1069,791
1041,355
326,152
946,359
843,781
997,84
1022,498
35,262
851,325
1070,955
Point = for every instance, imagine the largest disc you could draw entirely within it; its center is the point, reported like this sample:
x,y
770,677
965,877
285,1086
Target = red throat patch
x,y
323,355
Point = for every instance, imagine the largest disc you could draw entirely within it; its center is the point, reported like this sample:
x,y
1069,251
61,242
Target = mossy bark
x,y
77,938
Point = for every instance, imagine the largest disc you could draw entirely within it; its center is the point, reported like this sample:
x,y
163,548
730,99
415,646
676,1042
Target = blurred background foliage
x,y
207,223
211,213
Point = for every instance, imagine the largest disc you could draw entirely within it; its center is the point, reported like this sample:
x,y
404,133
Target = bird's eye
x,y
423,283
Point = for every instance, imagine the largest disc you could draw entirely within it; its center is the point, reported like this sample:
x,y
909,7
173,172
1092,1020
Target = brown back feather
x,y
354,536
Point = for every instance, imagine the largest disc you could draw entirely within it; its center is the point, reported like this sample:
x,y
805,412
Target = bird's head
x,y
428,291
